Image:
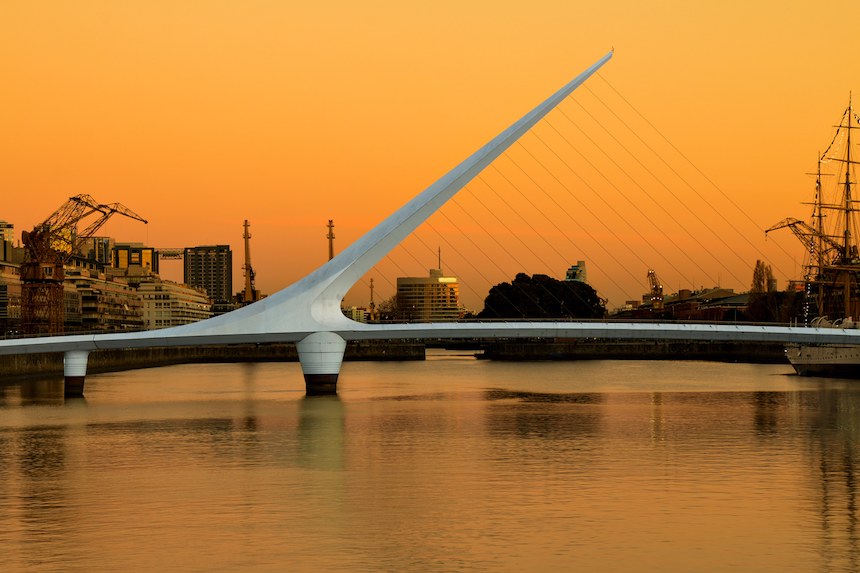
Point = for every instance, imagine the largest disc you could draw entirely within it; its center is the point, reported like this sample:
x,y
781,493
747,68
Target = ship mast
x,y
818,217
847,194
847,266
833,267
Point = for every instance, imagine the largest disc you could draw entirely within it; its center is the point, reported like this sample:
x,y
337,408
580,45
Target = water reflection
x,y
232,472
658,418
834,435
321,433
31,392
767,407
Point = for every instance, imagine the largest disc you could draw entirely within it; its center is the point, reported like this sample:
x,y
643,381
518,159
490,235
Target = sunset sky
x,y
200,114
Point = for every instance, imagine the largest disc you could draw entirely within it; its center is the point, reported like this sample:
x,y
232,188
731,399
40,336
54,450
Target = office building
x,y
435,298
105,305
166,303
128,255
210,268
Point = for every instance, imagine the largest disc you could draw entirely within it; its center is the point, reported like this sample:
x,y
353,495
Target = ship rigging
x,y
832,266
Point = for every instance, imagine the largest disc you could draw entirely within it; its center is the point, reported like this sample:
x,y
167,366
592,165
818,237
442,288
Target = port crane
x,y
249,294
48,247
821,247
656,295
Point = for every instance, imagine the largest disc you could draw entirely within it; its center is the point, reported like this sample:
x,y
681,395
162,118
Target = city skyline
x,y
198,119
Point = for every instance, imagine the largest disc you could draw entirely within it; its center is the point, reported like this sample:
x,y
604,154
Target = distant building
x,y
355,313
211,268
435,298
577,273
105,304
166,303
10,298
8,251
127,255
98,249
7,231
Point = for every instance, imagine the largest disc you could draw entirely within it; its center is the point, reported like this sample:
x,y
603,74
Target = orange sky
x,y
198,115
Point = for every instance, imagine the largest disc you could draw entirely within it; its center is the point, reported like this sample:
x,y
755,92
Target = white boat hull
x,y
832,360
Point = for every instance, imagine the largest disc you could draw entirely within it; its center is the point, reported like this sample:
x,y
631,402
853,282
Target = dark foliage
x,y
541,296
775,306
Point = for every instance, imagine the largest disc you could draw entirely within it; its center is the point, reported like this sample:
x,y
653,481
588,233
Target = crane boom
x,y
48,247
808,236
656,290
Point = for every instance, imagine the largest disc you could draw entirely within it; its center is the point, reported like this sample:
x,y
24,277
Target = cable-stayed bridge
x,y
308,312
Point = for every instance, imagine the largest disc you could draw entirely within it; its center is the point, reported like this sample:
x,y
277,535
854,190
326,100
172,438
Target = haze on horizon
x,y
199,116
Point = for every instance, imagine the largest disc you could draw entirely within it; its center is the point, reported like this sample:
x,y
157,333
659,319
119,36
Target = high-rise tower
x,y
210,267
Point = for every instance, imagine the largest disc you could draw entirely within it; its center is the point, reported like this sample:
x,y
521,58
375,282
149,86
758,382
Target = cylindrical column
x,y
321,355
75,371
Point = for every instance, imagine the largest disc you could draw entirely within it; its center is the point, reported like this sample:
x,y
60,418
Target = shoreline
x,y
17,366
576,349
116,360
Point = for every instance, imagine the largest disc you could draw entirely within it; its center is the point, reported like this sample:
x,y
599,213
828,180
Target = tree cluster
x,y
768,305
541,297
762,278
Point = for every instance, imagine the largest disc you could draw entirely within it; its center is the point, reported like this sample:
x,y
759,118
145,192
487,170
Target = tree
x,y
782,307
762,278
388,309
541,296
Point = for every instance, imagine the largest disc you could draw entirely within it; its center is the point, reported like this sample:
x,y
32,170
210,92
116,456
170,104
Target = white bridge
x,y
308,312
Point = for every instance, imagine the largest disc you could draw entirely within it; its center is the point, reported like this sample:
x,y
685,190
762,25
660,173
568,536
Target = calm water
x,y
446,465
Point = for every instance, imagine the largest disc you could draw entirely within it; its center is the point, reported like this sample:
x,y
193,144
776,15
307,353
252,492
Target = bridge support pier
x,y
74,371
321,355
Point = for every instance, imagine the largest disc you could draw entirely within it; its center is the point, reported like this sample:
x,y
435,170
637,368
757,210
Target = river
x,y
451,464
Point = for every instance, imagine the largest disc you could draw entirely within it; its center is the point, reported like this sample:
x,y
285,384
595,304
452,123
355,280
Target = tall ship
x,y
832,267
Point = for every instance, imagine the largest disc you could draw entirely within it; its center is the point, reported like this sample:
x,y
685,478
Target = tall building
x,y
435,298
211,268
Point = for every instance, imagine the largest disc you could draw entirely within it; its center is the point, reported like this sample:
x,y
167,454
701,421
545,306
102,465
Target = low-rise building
x,y
106,304
167,303
355,313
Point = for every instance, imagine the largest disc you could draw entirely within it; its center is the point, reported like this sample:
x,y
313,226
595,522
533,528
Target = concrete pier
x,y
321,356
74,372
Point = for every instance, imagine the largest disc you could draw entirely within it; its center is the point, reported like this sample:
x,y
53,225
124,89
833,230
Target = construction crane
x,y
656,290
48,247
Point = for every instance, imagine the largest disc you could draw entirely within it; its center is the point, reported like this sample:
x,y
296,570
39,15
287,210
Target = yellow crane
x,y
656,290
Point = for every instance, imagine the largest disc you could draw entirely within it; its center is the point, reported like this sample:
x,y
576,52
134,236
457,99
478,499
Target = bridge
x,y
308,312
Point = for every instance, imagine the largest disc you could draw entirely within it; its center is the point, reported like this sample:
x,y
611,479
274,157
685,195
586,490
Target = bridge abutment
x,y
74,372
321,356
